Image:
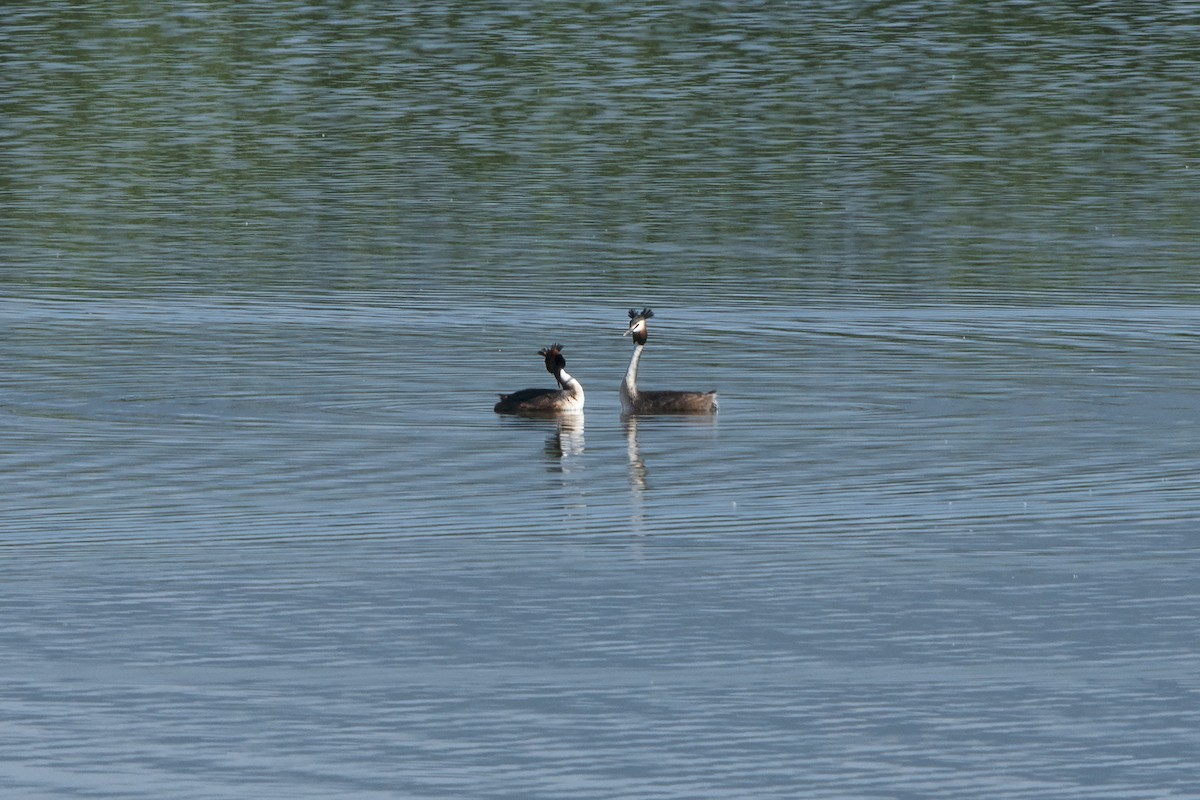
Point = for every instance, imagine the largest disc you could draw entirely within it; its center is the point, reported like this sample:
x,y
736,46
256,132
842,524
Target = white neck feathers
x,y
572,387
629,390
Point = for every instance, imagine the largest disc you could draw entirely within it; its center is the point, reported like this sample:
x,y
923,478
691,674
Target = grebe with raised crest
x,y
635,401
567,398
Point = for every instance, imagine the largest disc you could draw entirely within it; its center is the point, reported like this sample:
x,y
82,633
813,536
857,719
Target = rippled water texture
x,y
264,269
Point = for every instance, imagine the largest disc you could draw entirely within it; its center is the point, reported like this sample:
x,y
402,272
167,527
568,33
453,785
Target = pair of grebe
x,y
569,396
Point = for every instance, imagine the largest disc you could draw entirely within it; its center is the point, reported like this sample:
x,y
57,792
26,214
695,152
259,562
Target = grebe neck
x,y
629,390
572,387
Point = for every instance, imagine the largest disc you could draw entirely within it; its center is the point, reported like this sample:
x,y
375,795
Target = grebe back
x,y
640,401
568,398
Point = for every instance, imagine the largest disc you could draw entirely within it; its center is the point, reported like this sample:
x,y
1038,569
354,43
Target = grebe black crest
x,y
534,402
635,401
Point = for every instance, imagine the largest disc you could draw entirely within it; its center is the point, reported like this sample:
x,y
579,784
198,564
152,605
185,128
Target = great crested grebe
x,y
546,401
634,401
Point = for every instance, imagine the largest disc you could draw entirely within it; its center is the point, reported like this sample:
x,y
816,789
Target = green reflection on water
x,y
971,146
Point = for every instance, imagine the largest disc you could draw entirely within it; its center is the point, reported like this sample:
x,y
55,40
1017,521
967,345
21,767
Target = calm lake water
x,y
265,267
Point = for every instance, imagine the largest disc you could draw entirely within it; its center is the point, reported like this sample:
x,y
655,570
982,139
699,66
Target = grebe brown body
x,y
640,401
534,402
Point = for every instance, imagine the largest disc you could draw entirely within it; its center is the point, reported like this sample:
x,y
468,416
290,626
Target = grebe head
x,y
555,362
637,324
